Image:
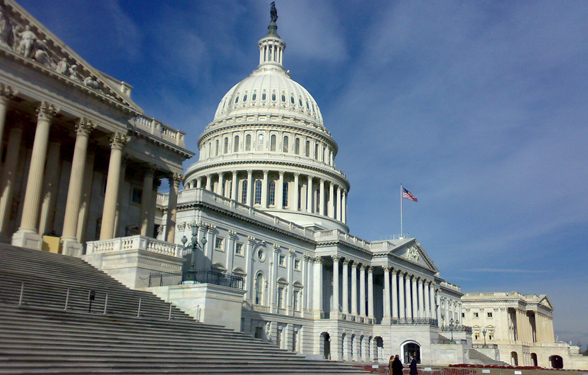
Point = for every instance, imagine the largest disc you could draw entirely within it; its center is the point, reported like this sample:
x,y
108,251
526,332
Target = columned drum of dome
x,y
267,147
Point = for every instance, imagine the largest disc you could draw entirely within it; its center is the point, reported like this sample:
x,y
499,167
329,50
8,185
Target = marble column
x,y
117,143
344,207
46,216
415,298
387,293
280,191
172,207
338,203
9,173
331,200
71,244
120,197
198,183
401,297
27,235
427,311
421,307
234,185
371,292
6,94
309,200
209,182
264,189
220,188
317,303
230,250
296,186
395,294
433,308
438,303
354,288
249,269
86,197
321,210
146,199
345,289
408,295
250,188
362,311
336,300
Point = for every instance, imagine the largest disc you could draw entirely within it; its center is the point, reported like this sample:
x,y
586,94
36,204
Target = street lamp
x,y
484,333
193,245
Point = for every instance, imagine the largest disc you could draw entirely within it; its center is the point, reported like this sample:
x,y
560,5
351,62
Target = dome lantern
x,y
271,46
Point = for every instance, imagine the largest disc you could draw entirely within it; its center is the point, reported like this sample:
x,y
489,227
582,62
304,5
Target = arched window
x,y
254,97
273,142
285,147
297,146
272,193
217,147
307,148
285,196
226,150
244,191
274,96
260,142
248,142
259,286
236,144
257,192
245,97
316,153
263,96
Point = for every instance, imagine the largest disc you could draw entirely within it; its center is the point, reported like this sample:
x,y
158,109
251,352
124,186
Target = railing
x,y
482,346
416,321
134,243
207,276
158,129
456,329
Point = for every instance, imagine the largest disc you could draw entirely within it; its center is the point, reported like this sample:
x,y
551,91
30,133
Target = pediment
x,y
413,252
546,302
27,40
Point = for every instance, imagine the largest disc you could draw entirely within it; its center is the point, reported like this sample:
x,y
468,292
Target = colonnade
x,y
279,190
39,201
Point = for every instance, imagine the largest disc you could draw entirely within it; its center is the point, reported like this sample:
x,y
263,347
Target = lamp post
x,y
193,245
484,334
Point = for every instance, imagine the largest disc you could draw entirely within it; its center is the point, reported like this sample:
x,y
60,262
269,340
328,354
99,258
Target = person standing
x,y
390,365
397,366
413,365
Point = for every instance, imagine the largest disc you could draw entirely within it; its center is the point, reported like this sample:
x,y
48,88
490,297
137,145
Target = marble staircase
x,y
48,330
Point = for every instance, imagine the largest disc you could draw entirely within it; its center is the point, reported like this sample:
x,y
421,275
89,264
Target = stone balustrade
x,y
134,243
159,130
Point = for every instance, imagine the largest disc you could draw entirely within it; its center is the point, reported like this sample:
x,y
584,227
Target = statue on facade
x,y
92,82
27,42
6,34
62,67
273,12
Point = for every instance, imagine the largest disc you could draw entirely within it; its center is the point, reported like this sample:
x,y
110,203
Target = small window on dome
x,y
284,98
245,97
274,96
300,101
263,96
237,99
254,97
307,107
292,99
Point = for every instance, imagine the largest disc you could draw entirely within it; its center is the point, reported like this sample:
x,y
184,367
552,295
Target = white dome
x,y
269,90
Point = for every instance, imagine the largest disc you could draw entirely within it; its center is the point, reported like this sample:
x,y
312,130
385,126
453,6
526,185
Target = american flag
x,y
408,195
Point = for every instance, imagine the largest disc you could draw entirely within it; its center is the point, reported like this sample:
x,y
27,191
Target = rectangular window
x,y
280,297
258,332
136,195
282,260
297,264
219,244
489,315
296,300
239,248
475,315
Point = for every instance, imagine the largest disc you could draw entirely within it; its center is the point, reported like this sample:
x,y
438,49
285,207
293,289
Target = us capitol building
x,y
264,207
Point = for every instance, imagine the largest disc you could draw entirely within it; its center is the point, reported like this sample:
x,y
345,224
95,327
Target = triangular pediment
x,y
26,39
546,302
413,252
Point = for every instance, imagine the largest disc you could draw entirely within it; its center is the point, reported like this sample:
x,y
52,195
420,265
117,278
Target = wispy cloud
x,y
506,270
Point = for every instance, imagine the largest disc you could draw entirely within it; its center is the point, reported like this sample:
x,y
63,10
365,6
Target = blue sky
x,y
478,107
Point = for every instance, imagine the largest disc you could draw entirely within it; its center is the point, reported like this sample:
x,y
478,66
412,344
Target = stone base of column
x,y
72,247
387,320
28,239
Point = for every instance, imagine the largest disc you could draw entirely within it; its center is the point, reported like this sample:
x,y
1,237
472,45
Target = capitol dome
x,y
267,148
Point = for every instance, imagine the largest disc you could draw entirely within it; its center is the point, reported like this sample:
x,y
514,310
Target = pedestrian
x,y
413,366
397,366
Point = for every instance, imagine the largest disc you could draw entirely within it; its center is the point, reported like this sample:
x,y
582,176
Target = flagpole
x,y
401,235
